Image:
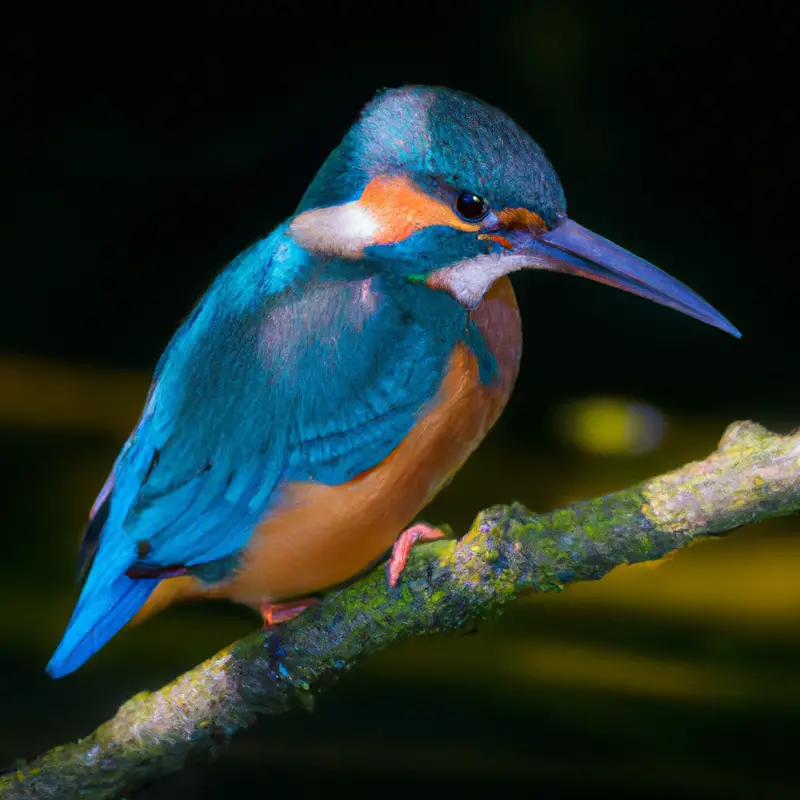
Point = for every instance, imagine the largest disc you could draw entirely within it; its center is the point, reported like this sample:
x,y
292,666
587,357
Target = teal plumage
x,y
328,344
226,417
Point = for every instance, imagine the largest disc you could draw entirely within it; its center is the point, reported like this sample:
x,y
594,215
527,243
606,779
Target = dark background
x,y
141,150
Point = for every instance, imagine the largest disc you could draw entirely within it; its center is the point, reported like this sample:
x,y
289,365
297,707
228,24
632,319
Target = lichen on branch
x,y
753,475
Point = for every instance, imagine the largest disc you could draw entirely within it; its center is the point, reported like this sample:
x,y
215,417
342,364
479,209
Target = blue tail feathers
x,y
103,608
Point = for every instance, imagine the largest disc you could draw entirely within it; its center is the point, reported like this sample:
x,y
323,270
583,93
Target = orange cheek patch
x,y
400,208
522,219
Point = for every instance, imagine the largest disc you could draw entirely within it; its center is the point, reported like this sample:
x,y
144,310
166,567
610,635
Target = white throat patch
x,y
469,280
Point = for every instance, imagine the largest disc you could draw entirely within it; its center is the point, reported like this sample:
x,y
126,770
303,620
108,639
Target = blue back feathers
x,y
281,373
295,367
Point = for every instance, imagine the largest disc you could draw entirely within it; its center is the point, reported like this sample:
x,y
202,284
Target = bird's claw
x,y
278,613
421,532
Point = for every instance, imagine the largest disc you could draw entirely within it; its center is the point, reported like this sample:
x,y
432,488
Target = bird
x,y
339,371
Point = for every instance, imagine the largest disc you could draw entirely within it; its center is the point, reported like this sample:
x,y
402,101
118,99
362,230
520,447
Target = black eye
x,y
471,207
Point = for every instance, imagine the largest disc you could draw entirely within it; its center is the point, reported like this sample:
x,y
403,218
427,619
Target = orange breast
x,y
320,536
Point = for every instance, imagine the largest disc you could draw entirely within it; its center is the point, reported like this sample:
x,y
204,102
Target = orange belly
x,y
319,536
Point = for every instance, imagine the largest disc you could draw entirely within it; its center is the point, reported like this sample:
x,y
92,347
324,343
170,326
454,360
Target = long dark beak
x,y
571,248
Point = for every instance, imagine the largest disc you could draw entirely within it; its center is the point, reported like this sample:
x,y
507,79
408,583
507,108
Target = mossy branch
x,y
752,475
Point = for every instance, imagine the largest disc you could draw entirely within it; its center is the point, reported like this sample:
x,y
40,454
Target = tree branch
x,y
752,475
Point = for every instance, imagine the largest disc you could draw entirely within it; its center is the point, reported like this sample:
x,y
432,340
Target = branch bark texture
x,y
753,475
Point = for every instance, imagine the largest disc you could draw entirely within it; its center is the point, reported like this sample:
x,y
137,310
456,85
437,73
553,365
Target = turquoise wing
x,y
314,383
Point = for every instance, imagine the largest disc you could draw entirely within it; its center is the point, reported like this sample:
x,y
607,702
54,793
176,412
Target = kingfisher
x,y
338,372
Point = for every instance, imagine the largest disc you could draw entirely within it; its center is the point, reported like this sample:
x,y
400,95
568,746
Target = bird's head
x,y
449,192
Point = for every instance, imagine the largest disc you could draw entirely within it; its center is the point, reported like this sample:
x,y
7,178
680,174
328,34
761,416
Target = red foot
x,y
277,613
421,532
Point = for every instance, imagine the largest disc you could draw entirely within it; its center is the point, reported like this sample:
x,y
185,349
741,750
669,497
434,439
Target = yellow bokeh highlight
x,y
610,425
40,394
